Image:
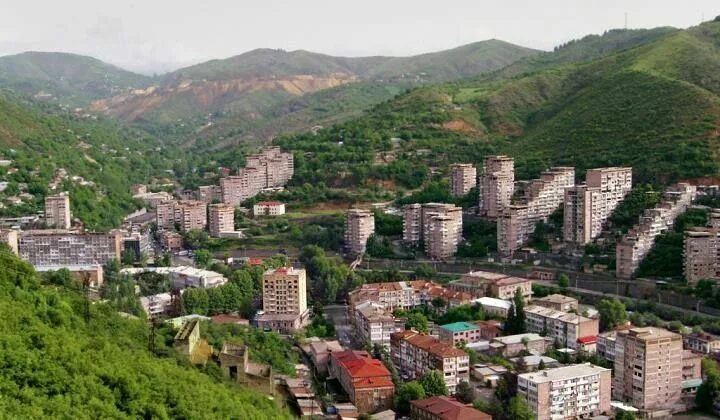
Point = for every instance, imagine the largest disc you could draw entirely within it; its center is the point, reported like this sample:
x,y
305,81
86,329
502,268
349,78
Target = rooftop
x,y
365,371
268,203
649,333
557,298
518,338
570,318
456,327
446,408
490,301
563,373
430,344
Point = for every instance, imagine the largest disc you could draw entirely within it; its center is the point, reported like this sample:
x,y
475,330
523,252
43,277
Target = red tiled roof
x,y
589,339
430,344
255,261
360,365
447,408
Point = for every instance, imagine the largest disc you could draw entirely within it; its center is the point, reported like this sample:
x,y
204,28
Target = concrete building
x,y
171,240
588,206
183,277
66,248
701,342
405,294
414,354
566,328
496,185
367,381
635,245
284,300
512,345
444,408
493,306
438,225
188,214
489,329
568,392
209,193
463,177
701,251
557,302
157,304
92,274
648,368
270,168
498,285
541,198
359,226
268,208
152,199
10,237
460,332
320,351
57,211
221,218
374,323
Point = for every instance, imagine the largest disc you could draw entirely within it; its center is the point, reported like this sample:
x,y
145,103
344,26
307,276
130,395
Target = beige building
x,y
171,240
648,368
374,323
702,342
64,248
496,185
557,302
414,354
635,245
284,300
268,208
209,193
463,177
438,225
701,251
565,328
221,218
57,211
588,206
10,237
541,198
405,294
513,345
498,285
188,214
271,168
568,392
359,226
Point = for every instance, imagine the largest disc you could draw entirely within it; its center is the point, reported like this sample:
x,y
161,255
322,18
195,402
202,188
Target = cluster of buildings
x,y
271,168
636,244
436,225
701,251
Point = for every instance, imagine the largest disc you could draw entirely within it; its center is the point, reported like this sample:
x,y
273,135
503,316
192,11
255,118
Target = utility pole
x,y
625,20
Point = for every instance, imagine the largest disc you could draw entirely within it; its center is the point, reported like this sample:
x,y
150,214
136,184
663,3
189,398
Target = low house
x,y
701,342
157,304
460,332
444,408
269,208
189,344
489,329
488,374
532,362
367,381
493,306
512,345
234,360
558,302
320,351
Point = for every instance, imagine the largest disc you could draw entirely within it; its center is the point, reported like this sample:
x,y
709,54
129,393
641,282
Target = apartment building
x,y
485,283
489,329
221,218
541,198
62,247
270,168
438,225
512,345
367,381
635,245
268,208
496,185
493,306
284,300
588,206
568,392
701,342
444,408
10,237
138,241
188,214
701,251
359,226
209,193
463,177
57,211
648,368
405,294
563,327
460,332
171,240
414,354
374,323
557,302
183,277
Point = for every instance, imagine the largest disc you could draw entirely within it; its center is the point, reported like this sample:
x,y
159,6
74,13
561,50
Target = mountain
x,y
70,78
62,358
655,107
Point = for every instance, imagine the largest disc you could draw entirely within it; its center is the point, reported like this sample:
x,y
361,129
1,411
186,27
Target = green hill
x,y
70,78
56,363
655,107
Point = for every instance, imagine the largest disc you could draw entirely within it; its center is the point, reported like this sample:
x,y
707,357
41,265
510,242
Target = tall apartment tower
x,y
189,214
359,226
648,368
284,300
701,251
463,177
496,185
221,218
412,223
588,206
442,237
57,211
271,168
438,225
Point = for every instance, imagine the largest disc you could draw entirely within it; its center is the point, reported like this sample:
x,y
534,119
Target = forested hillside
x,y
56,362
655,107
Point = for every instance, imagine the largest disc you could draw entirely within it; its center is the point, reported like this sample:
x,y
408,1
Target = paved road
x,y
338,315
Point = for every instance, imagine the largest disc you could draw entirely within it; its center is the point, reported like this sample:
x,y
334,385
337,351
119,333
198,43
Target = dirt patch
x,y
460,126
508,130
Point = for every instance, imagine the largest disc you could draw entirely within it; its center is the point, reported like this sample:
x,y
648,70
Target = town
x,y
528,331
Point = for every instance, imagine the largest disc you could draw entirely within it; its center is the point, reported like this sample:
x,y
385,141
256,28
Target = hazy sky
x,y
161,35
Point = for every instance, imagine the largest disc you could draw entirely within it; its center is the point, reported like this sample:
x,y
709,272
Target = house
x,y
189,344
320,351
498,285
367,381
493,306
157,304
557,302
701,342
512,345
460,332
234,360
489,329
444,408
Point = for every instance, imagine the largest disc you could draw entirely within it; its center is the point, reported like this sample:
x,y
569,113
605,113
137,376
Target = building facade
x,y
10,237
438,225
701,342
463,177
284,300
57,211
188,214
359,226
62,247
221,218
557,302
485,283
374,323
271,168
367,381
460,332
496,185
563,327
268,208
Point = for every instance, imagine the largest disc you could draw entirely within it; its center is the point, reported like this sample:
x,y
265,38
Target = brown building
x,y
438,225
463,177
367,381
648,368
188,214
702,251
568,392
557,302
57,211
171,240
444,408
209,193
496,185
489,329
62,247
284,300
270,168
702,342
221,218
498,285
359,226
10,237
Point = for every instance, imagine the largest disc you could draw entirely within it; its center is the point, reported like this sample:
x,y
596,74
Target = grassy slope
x,y
54,364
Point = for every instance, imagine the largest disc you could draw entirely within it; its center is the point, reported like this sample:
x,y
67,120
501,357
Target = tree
x,y
129,257
541,365
625,415
433,383
409,391
516,316
417,321
202,257
195,301
165,260
612,313
709,391
519,410
520,365
465,392
563,281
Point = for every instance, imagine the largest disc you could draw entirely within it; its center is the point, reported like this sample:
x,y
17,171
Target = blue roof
x,y
459,327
